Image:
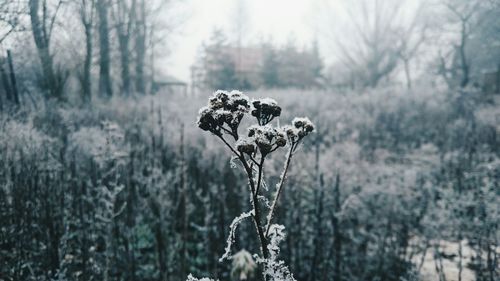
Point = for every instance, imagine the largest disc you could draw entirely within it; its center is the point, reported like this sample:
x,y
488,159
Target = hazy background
x,y
299,21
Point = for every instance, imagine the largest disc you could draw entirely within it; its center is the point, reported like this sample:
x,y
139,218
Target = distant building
x,y
168,84
247,63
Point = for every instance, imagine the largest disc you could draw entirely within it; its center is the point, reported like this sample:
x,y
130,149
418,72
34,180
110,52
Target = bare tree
x,y
10,13
373,54
462,12
124,16
411,40
86,10
42,24
105,87
141,30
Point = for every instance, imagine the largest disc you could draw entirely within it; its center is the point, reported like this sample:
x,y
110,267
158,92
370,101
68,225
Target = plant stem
x,y
256,214
280,187
259,179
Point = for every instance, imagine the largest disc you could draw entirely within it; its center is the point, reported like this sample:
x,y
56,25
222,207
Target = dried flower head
x,y
267,138
207,120
223,108
265,110
300,128
303,123
245,145
280,137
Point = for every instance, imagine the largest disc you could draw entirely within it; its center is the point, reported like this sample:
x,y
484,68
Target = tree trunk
x,y
5,82
140,48
123,40
87,83
125,17
105,87
463,59
13,82
41,38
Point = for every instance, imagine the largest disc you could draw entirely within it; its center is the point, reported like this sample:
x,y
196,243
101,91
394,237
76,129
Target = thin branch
x,y
53,20
230,147
280,187
259,179
256,210
7,34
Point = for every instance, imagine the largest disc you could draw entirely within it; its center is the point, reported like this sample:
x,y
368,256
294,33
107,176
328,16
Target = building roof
x,y
166,79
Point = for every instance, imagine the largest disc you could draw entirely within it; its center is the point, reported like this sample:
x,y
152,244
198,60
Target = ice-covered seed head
x,y
245,146
223,108
265,110
303,124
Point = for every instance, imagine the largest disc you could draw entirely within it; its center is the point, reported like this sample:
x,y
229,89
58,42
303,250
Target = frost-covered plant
x,y
243,266
222,117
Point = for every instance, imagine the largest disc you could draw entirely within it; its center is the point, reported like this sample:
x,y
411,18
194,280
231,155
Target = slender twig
x,y
259,179
256,213
279,188
253,160
230,146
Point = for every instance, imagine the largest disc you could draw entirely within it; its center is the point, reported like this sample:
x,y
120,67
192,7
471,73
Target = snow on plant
x,y
103,144
273,268
222,117
191,278
232,233
243,266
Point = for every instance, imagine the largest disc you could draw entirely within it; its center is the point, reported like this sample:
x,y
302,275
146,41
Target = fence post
x,y
5,81
13,78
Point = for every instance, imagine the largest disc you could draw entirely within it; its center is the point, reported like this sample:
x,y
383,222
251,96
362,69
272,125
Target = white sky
x,y
276,20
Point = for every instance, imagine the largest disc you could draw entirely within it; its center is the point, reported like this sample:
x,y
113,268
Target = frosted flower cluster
x,y
265,110
301,127
223,109
224,113
264,138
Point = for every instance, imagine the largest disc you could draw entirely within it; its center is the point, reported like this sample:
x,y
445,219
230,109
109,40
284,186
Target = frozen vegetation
x,y
388,186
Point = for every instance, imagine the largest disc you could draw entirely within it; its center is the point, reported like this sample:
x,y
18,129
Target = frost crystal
x,y
276,235
232,233
275,269
191,278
